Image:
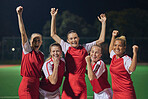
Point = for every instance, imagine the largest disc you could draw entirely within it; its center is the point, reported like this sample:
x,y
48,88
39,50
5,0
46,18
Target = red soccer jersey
x,y
101,82
122,84
31,64
48,69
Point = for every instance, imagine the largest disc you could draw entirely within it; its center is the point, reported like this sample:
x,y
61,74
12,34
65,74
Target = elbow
x,y
132,70
53,82
52,35
91,78
102,41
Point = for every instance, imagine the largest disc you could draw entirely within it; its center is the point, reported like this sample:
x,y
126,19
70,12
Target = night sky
x,y
36,12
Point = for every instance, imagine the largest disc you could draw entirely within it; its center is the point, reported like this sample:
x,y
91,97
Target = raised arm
x,y
91,74
53,25
134,60
54,77
19,11
102,19
114,34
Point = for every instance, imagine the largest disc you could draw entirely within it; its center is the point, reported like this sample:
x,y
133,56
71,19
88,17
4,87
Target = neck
x,y
119,56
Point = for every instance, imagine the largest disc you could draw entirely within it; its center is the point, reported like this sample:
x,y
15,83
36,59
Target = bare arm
x,y
102,19
19,11
54,77
91,74
134,60
114,34
53,25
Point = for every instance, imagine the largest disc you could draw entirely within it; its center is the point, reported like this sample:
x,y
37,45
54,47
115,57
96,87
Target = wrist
x,y
104,22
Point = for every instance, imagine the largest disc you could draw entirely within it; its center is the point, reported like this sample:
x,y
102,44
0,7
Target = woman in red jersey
x,y
74,86
121,68
53,68
97,74
32,61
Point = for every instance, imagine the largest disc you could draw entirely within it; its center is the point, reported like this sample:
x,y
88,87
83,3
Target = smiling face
x,y
95,53
73,39
36,43
55,52
119,48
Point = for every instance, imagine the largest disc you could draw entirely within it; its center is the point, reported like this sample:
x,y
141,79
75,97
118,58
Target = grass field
x,y
10,79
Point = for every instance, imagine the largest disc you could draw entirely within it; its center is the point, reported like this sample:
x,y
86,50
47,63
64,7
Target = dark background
x,y
37,12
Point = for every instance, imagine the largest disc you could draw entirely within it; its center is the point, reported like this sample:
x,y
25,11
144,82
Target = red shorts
x,y
29,88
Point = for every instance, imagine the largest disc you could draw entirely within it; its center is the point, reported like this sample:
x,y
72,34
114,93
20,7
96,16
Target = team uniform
x,y
100,85
31,66
122,84
48,90
74,86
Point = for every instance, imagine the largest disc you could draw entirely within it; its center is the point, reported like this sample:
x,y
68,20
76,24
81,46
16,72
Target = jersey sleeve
x,y
127,63
47,69
101,68
88,46
26,48
112,53
64,46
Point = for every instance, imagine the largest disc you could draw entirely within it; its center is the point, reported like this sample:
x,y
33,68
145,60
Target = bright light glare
x,y
13,49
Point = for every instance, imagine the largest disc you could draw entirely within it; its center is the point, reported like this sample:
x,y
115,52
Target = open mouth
x,y
36,46
56,56
117,51
74,42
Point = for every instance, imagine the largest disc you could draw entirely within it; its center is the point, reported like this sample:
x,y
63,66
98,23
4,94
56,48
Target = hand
x,y
115,33
102,18
56,61
53,12
87,58
135,49
19,10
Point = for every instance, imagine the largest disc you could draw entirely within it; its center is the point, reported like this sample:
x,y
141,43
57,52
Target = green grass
x,y
10,79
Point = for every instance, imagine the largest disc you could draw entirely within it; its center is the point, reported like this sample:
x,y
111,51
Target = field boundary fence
x,y
11,49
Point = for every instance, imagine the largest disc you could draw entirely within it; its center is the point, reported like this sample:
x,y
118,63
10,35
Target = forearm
x,y
102,35
134,63
22,29
53,26
53,30
111,44
91,74
54,77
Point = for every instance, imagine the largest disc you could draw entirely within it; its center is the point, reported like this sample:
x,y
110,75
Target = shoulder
x,y
41,52
101,62
63,60
126,57
47,62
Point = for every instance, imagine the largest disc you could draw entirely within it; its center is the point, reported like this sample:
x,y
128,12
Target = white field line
x,y
9,97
